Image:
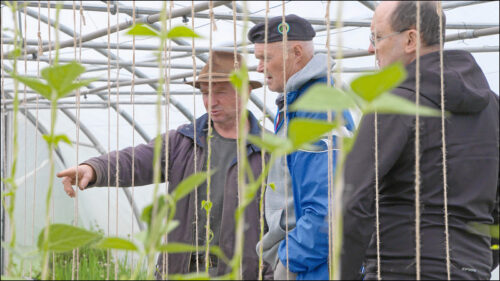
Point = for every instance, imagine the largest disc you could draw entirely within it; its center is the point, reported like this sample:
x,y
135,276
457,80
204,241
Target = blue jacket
x,y
308,241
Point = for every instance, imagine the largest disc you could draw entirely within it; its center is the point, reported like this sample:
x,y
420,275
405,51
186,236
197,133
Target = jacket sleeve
x,y
359,184
143,165
308,241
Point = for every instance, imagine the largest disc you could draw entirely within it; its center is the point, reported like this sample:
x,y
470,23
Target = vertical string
x,y
168,53
443,142
377,205
132,101
82,19
77,96
330,151
417,149
209,136
36,138
109,137
25,47
238,117
377,218
285,127
263,152
193,53
339,180
117,7
52,199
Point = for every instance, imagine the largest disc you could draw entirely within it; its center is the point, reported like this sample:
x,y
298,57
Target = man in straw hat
x,y
183,145
301,178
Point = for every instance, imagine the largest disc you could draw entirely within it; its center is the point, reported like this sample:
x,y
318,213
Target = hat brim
x,y
254,84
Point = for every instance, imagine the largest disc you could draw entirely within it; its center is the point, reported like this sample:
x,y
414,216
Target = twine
x,y
209,135
109,138
36,141
117,180
417,149
285,127
263,152
25,39
77,96
167,113
443,142
330,152
193,52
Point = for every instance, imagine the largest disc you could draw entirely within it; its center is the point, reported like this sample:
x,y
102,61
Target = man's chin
x,y
275,88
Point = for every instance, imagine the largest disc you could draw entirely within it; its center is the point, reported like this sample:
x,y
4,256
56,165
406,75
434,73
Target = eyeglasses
x,y
372,37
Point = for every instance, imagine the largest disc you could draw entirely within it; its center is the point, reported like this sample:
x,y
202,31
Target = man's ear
x,y
298,51
411,41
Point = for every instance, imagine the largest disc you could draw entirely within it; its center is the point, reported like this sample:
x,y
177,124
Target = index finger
x,y
70,172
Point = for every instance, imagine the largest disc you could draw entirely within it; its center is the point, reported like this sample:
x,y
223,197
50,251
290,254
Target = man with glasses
x,y
471,144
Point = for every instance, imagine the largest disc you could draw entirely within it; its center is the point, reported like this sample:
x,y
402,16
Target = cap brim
x,y
196,84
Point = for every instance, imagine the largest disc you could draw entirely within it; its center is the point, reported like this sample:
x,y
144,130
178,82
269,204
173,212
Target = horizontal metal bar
x,y
99,79
94,8
126,24
151,11
473,34
357,23
114,63
369,4
458,4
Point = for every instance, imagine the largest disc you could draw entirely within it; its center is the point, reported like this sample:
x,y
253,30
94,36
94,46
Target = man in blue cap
x,y
301,178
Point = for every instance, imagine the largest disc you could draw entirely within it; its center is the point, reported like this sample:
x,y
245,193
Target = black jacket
x,y
472,147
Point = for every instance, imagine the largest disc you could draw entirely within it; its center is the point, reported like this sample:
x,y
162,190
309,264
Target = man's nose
x,y
371,49
260,67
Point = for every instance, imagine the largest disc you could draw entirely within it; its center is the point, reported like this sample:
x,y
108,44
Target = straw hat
x,y
222,66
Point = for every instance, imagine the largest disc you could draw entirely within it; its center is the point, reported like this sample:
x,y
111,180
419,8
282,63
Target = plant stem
x,y
157,148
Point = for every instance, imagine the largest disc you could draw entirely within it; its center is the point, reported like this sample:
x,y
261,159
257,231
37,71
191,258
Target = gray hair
x,y
404,17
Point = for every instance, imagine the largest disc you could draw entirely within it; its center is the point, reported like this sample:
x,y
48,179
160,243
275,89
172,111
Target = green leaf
x,y
484,229
56,139
182,31
239,77
141,236
321,98
172,225
302,131
35,84
116,243
142,29
63,138
272,186
207,205
147,211
7,277
392,104
177,248
187,185
64,237
495,247
271,143
370,86
60,77
347,144
74,86
15,53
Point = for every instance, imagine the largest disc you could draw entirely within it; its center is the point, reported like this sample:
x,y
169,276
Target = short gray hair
x,y
404,17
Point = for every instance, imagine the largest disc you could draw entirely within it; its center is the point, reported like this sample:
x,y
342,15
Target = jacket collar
x,y
202,130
